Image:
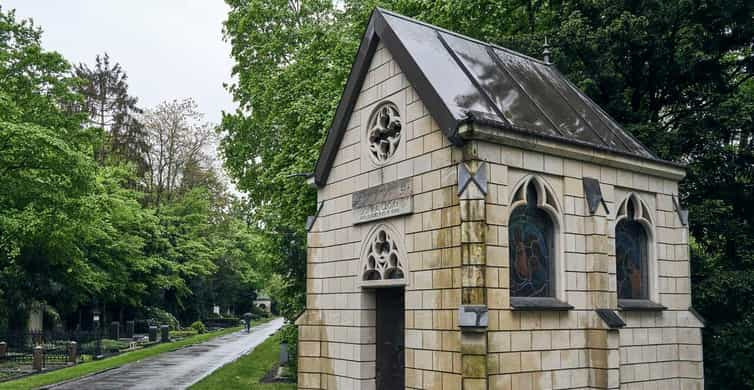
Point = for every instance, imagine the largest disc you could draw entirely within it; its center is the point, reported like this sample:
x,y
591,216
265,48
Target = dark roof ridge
x,y
610,118
459,35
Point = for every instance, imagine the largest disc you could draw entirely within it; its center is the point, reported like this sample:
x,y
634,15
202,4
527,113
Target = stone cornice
x,y
660,168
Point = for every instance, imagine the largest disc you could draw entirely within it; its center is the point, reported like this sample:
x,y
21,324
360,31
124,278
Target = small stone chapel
x,y
482,224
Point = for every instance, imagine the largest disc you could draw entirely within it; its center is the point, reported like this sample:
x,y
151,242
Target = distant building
x,y
263,302
482,224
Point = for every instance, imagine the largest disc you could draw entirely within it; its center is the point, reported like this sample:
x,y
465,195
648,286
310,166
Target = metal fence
x,y
53,348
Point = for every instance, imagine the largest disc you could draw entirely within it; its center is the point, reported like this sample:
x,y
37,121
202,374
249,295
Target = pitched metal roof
x,y
462,80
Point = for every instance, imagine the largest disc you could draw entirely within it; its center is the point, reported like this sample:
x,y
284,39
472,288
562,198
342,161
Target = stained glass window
x,y
530,234
631,258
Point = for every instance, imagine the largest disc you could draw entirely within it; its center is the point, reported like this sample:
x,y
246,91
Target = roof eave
x,y
505,134
355,79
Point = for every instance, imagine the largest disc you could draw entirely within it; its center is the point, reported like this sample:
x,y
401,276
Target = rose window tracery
x,y
384,132
383,258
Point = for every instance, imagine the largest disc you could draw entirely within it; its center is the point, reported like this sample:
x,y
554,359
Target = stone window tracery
x,y
384,134
531,235
631,249
383,257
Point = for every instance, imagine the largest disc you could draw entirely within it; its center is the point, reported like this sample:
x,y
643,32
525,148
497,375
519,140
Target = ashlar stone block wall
x,y
572,349
337,335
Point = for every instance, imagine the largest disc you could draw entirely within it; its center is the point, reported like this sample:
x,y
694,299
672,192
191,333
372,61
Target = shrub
x,y
161,317
225,322
214,315
107,345
257,312
289,334
182,333
199,327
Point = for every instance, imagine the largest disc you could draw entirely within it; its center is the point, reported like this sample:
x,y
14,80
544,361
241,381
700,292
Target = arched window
x,y
631,250
531,239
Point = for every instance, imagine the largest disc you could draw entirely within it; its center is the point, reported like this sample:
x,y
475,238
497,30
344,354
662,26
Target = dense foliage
x,y
677,74
81,225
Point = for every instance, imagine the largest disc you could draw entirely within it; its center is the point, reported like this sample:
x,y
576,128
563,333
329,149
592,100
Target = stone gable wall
x,y
337,335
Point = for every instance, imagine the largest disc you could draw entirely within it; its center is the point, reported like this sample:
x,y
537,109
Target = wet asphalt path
x,y
178,369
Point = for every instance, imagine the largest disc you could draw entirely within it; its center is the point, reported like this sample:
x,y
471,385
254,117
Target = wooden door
x,y
390,339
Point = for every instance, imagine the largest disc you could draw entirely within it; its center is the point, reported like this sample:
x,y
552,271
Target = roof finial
x,y
546,52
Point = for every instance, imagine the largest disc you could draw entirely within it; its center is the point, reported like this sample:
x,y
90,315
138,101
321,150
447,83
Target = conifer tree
x,y
114,111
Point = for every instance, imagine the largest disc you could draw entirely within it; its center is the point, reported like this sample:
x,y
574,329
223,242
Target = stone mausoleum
x,y
482,224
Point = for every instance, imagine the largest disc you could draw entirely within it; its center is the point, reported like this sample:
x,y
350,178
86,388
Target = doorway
x,y
390,318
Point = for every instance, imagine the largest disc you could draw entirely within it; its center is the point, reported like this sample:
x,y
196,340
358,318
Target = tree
x,y
112,110
177,139
75,232
291,62
44,170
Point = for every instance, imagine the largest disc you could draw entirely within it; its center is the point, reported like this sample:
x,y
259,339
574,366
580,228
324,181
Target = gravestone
x,y
283,359
152,334
37,358
72,352
36,316
115,330
164,334
130,326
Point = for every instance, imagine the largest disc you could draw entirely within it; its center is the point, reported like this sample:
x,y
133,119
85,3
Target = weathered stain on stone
x,y
442,238
474,253
474,296
470,152
474,366
472,275
472,210
473,231
449,217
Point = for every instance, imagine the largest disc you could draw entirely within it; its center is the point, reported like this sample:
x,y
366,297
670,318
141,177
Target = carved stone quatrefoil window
x,y
383,258
384,132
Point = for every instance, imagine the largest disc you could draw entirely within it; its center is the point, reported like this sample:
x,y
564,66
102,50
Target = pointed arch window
x,y
632,255
531,238
531,249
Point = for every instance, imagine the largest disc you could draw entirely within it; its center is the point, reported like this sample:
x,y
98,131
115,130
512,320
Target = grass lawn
x,y
246,372
87,368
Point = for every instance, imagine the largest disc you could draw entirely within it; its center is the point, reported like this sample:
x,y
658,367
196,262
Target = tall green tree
x,y
45,173
113,110
291,59
74,231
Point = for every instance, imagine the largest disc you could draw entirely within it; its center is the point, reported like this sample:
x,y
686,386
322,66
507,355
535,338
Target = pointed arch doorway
x,y
390,320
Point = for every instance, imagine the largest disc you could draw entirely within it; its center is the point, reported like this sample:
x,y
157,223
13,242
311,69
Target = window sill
x,y
639,305
532,303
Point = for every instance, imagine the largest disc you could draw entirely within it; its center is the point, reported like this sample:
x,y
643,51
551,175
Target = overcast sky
x,y
171,49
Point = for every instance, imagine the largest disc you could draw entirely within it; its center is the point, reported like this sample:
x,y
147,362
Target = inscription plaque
x,y
383,201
